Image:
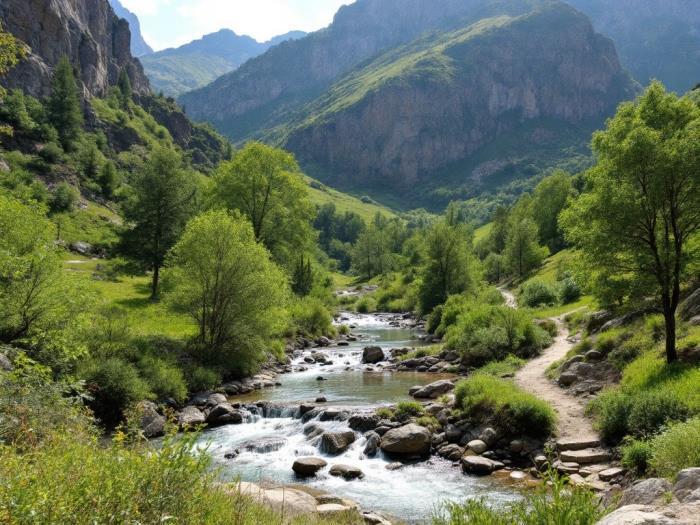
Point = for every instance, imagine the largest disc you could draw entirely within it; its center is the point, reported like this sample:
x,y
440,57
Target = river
x,y
268,445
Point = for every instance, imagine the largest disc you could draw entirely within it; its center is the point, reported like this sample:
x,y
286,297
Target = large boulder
x,y
636,515
347,472
224,414
647,492
477,465
308,467
335,443
151,422
190,417
687,487
364,422
434,390
408,439
372,354
372,445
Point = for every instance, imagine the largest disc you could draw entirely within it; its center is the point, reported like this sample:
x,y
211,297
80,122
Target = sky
x,y
171,23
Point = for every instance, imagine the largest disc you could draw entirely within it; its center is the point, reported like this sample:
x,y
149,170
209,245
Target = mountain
x,y
139,47
176,71
443,110
261,93
95,40
655,38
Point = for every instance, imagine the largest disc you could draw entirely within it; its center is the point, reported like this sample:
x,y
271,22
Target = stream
x,y
267,446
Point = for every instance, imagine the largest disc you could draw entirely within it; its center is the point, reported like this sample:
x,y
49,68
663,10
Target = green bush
x,y
63,198
113,384
385,413
508,366
628,349
408,409
487,399
537,293
636,456
677,448
51,153
311,317
201,378
165,379
366,305
569,291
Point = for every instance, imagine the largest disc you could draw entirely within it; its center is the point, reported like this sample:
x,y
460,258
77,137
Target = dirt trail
x,y
572,420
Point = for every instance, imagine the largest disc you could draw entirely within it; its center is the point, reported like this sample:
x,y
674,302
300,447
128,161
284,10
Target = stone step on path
x,y
587,456
577,444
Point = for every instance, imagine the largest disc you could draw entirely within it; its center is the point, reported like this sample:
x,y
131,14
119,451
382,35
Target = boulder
x,y
594,355
477,465
216,399
330,510
691,306
308,467
488,436
5,363
687,487
408,439
477,446
647,492
224,414
152,423
289,502
611,473
335,443
372,445
347,472
363,422
372,355
434,390
636,515
81,248
190,417
452,452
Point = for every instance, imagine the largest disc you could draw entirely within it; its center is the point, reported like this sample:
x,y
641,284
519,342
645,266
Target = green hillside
x,y
178,74
363,206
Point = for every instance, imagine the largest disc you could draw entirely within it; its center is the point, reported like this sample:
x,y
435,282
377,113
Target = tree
x,y
522,250
63,105
163,201
303,277
549,199
448,270
229,285
641,207
11,52
370,254
266,185
124,87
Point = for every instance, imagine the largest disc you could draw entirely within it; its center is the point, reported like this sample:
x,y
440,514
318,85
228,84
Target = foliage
x,y
522,250
553,503
64,198
311,317
162,202
506,367
266,186
536,293
488,399
569,291
636,455
642,200
227,282
63,105
677,448
549,199
407,409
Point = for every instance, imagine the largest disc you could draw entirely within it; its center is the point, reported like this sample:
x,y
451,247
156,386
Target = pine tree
x,y
303,279
125,91
64,108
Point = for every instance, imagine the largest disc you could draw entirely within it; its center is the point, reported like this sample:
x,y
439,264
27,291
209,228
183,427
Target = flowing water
x,y
267,444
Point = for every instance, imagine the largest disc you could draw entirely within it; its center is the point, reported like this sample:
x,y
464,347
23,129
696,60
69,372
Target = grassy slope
x,y
320,194
177,74
482,232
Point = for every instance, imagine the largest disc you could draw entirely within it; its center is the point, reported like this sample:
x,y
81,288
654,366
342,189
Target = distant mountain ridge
x,y
139,47
177,70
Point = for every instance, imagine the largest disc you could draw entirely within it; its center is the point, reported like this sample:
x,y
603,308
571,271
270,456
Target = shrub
x,y
366,305
200,378
636,456
63,198
165,380
508,366
51,153
677,448
537,293
629,349
311,317
407,409
569,291
548,326
385,413
501,403
608,341
114,384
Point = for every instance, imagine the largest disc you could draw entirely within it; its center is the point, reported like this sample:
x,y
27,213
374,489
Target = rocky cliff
x,y
266,89
139,47
95,40
434,106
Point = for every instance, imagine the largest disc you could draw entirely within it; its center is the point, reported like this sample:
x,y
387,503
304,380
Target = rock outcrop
x,y
96,41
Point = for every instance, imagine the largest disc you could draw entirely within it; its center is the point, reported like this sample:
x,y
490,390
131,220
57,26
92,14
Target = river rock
x,y
687,487
152,423
488,436
477,465
190,417
477,446
335,443
371,518
363,422
224,414
329,510
372,355
434,390
636,515
372,445
216,399
408,439
646,492
308,467
347,472
305,407
611,473
452,452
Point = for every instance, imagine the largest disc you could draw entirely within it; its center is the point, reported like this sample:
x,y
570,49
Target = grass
x,y
321,194
94,224
423,351
506,367
482,232
488,399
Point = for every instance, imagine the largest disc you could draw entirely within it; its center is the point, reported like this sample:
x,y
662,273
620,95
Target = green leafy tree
x,y
125,91
303,277
163,201
523,252
63,105
266,185
449,267
641,207
370,254
549,199
229,285
108,179
11,52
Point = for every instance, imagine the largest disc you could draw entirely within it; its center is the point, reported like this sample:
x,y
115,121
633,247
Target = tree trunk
x,y
670,320
154,283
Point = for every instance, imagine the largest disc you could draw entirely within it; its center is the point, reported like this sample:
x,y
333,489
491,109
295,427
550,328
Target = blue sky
x,y
169,23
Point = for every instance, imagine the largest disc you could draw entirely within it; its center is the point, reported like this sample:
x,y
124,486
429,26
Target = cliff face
x,y
139,47
95,40
263,91
420,110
